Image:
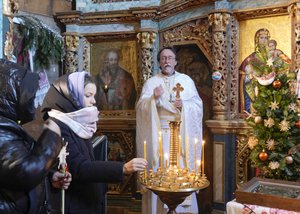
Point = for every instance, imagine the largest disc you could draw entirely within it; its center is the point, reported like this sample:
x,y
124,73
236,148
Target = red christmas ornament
x,y
297,124
263,156
276,84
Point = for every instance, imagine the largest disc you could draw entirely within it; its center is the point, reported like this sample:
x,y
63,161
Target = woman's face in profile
x,y
89,95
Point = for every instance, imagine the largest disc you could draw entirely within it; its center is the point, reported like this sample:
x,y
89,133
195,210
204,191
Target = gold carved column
x,y
86,55
146,40
294,11
71,58
9,9
219,21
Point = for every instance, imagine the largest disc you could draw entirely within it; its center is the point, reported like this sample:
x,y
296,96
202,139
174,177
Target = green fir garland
x,y
36,35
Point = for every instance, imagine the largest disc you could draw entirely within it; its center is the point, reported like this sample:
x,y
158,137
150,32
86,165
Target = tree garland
x,y
48,45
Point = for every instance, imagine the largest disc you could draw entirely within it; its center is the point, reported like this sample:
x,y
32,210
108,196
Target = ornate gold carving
x,y
177,6
117,114
294,12
8,45
72,20
294,9
296,47
234,84
132,15
242,159
110,37
10,8
146,41
86,55
71,47
193,32
219,20
260,12
220,89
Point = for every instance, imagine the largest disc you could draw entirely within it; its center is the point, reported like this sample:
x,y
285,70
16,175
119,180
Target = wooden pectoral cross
x,y
177,89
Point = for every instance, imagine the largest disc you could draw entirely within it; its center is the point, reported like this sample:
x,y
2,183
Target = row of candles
x,y
198,163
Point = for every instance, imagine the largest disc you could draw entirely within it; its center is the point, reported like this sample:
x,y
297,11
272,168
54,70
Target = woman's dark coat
x,y
24,163
86,193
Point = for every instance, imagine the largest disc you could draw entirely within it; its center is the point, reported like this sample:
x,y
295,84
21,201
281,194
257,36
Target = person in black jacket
x,y
71,101
24,162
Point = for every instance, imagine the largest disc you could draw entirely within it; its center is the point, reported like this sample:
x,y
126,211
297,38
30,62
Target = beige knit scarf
x,y
82,122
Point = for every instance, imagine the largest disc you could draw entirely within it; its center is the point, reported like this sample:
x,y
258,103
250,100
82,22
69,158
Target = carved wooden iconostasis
x,y
209,37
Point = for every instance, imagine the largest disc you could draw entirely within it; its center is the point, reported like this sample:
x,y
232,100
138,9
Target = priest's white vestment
x,y
153,116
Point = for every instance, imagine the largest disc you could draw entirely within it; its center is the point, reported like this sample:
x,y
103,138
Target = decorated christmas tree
x,y
275,140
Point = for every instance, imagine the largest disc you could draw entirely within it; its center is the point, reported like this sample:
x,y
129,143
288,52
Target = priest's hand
x,y
158,91
136,164
178,103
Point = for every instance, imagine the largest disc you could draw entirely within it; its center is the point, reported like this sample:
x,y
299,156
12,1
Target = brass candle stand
x,y
171,183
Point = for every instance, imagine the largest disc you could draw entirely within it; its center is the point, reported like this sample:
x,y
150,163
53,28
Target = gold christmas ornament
x,y
258,119
289,159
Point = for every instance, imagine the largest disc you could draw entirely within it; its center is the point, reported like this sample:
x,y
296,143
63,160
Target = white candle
x,y
203,142
187,151
145,150
195,154
145,157
166,158
199,166
179,152
160,149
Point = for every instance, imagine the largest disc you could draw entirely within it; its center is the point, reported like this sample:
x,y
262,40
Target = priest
x,y
165,97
